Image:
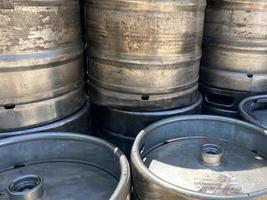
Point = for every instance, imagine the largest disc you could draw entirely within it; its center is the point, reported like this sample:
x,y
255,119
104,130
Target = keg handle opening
x,y
26,187
219,100
211,155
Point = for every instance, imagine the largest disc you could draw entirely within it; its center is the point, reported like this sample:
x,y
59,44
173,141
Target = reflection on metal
x,y
199,157
78,122
144,55
49,166
41,75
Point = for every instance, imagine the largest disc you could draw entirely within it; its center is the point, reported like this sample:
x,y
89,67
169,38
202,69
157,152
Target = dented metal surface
x,y
235,45
200,157
144,55
40,61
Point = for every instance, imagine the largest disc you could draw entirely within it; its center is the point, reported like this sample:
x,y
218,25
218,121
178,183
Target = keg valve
x,y
27,187
211,155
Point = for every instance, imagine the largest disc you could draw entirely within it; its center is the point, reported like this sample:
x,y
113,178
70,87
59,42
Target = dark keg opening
x,y
211,149
18,166
24,184
9,106
219,99
211,155
249,75
145,97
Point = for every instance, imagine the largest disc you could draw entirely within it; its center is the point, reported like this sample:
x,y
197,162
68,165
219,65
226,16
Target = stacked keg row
x,y
234,61
41,68
143,59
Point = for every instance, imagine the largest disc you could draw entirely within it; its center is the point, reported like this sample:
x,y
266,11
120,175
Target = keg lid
x,y
254,110
52,166
205,157
209,166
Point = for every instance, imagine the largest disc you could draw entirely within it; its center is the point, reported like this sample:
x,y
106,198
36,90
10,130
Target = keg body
x,y
41,75
198,157
120,127
144,55
234,60
50,166
235,46
78,122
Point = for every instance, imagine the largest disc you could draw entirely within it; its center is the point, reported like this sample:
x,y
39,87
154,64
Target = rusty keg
x,y
200,157
235,47
254,110
41,74
144,55
120,127
49,166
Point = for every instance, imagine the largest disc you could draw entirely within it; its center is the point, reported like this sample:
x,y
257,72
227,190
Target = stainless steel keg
x,y
254,110
41,75
120,127
235,45
144,55
78,122
234,59
49,166
200,157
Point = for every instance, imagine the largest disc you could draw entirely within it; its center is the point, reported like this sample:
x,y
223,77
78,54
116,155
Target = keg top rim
x,y
138,149
247,106
121,187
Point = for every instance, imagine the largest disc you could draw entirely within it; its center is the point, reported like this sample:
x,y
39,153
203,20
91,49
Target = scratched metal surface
x,y
166,160
144,55
234,177
235,45
40,61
